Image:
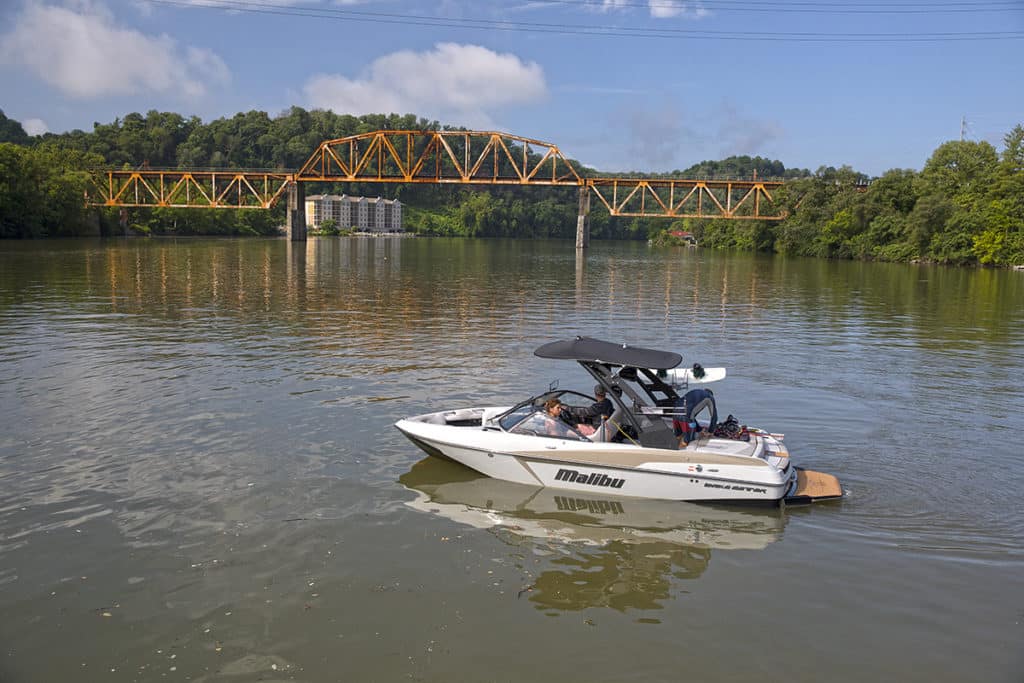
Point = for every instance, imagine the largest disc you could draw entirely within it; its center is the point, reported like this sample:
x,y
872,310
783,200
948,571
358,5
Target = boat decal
x,y
525,466
592,479
734,487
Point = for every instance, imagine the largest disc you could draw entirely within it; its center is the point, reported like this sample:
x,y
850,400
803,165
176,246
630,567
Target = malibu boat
x,y
662,439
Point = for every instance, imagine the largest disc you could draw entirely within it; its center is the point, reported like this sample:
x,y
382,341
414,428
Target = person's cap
x,y
599,390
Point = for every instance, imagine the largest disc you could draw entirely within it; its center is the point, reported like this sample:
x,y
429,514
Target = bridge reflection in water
x,y
602,551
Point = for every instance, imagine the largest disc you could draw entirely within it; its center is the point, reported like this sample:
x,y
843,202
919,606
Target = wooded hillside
x,y
965,206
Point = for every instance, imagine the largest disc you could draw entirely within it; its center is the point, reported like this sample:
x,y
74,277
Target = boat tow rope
x,y
620,430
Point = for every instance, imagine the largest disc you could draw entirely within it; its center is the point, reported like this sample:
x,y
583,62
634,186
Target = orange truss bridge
x,y
189,189
431,156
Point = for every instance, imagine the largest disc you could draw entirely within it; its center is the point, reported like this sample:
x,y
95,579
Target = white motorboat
x,y
662,439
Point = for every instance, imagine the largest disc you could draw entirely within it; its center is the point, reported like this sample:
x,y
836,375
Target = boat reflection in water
x,y
603,551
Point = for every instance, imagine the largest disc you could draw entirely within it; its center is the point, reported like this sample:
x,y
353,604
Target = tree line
x,y
965,206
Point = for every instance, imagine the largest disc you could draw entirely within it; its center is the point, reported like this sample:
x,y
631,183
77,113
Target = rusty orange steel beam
x,y
681,198
188,189
431,156
434,156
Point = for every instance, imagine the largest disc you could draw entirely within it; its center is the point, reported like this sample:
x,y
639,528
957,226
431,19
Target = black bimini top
x,y
597,351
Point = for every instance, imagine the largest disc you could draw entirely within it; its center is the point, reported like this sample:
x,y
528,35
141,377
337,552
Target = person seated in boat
x,y
601,410
563,421
686,425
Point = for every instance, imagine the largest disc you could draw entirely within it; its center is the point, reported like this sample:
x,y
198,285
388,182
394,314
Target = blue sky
x,y
646,85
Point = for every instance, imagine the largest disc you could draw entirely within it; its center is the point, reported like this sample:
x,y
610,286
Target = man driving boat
x,y
601,410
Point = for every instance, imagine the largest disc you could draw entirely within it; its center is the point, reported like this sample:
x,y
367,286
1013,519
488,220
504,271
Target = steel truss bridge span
x,y
170,188
437,157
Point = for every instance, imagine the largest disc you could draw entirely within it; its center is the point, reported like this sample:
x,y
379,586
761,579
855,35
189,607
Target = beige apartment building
x,y
359,213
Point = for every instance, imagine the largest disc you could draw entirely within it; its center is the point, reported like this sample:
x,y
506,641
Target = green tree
x,y
958,169
42,191
927,219
965,206
11,131
1013,153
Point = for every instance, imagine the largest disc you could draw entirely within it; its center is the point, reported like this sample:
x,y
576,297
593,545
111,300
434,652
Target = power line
x,y
584,29
809,7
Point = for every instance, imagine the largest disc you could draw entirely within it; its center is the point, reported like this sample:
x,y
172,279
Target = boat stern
x,y
813,487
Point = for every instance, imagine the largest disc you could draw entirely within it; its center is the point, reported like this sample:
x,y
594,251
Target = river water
x,y
199,479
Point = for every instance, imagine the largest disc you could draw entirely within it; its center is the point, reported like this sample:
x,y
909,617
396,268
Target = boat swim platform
x,y
813,487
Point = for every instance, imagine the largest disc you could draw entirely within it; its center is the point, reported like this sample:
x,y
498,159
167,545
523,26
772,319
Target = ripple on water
x,y
217,416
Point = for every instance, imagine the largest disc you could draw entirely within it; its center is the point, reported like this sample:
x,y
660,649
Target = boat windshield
x,y
542,424
515,416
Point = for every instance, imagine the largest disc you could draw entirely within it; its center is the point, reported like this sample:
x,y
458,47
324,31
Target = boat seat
x,y
608,427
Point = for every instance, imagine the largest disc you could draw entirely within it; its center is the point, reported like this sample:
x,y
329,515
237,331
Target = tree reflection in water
x,y
620,575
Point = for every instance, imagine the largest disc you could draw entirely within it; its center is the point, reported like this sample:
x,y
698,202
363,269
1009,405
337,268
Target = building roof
x,y
347,198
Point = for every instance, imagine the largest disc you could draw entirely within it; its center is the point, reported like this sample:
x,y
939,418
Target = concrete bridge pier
x,y
583,220
297,212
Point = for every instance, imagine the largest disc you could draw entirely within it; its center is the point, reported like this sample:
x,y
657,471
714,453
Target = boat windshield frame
x,y
524,410
564,430
538,402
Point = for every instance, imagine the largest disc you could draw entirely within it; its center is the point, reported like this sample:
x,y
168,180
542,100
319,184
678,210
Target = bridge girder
x,y
189,189
682,198
436,157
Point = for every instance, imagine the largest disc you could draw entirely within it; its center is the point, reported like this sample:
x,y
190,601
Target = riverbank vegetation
x,y
965,206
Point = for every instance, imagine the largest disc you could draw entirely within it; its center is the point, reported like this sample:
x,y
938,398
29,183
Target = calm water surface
x,y
199,479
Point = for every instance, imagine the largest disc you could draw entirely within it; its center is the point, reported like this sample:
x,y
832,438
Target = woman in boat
x,y
563,421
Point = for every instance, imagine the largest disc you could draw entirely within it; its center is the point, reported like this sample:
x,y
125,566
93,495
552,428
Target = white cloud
x,y
666,136
664,9
655,136
457,84
82,52
659,9
667,9
742,134
206,63
35,126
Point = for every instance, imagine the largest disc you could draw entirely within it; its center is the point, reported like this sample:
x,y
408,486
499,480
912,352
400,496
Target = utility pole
x,y
963,127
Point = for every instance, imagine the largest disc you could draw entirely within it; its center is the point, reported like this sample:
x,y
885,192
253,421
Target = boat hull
x,y
616,469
